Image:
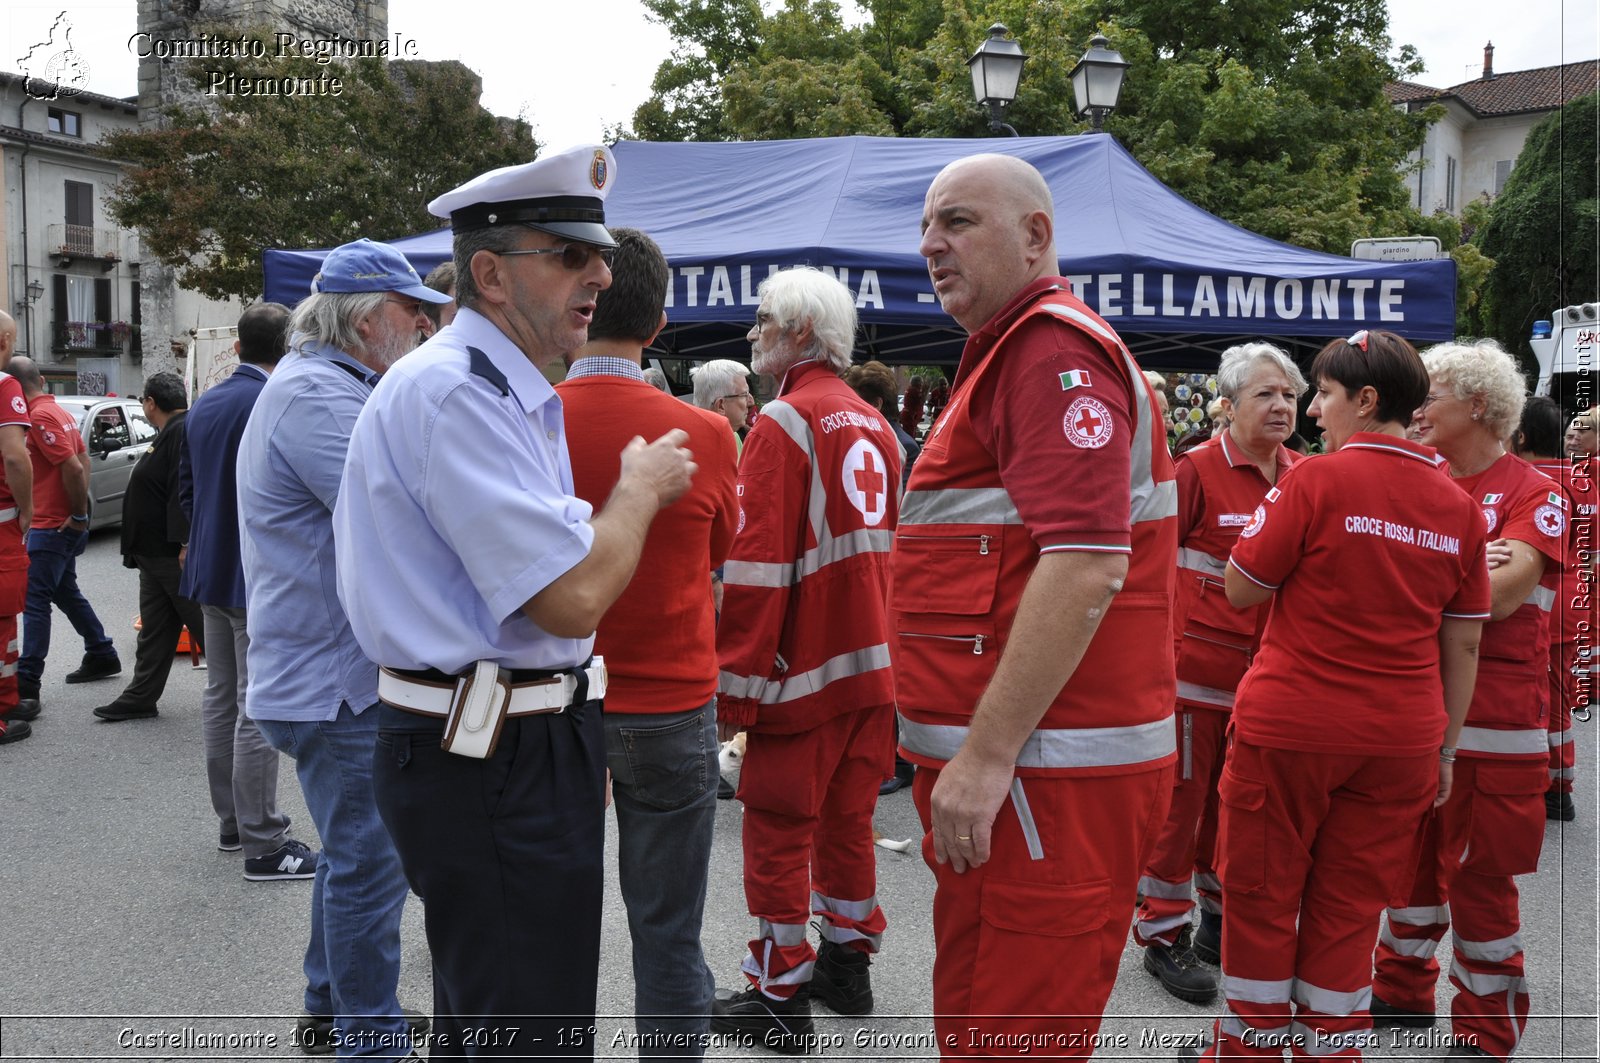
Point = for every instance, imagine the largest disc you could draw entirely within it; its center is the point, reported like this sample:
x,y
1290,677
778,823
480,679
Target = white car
x,y
117,434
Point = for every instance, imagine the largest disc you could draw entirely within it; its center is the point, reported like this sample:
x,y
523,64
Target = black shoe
x,y
1386,1014
228,843
842,979
1463,1050
292,860
118,711
725,790
1179,972
782,1025
1208,938
1557,806
96,666
28,709
314,1033
892,784
13,730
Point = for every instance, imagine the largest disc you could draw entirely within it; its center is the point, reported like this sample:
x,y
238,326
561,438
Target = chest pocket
x,y
952,575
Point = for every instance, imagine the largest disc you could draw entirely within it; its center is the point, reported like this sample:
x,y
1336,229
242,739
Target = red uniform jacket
x,y
804,634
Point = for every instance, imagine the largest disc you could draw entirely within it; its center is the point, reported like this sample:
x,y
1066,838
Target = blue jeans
x,y
664,789
353,961
53,580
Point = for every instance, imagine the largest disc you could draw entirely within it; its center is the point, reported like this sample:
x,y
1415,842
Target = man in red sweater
x,y
659,645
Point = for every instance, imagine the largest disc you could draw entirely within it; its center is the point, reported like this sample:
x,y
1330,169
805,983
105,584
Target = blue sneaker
x,y
291,860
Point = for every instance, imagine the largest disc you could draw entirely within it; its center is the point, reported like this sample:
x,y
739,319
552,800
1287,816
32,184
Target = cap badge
x,y
597,170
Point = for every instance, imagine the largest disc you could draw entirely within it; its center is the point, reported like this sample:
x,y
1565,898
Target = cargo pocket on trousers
x,y
1507,829
1028,929
1242,837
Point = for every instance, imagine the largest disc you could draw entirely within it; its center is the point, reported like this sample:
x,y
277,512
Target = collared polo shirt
x,y
304,661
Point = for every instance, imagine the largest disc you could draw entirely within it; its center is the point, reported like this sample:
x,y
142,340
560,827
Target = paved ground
x,y
125,934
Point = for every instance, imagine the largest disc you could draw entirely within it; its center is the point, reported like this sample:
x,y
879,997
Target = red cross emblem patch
x,y
866,482
1550,520
1087,424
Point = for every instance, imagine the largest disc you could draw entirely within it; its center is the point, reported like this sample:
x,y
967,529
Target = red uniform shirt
x,y
53,438
1368,548
1575,603
13,410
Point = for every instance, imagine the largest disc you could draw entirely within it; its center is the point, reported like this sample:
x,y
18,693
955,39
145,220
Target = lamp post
x,y
996,68
1097,81
31,295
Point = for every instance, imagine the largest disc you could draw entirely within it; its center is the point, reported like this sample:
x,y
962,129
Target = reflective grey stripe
x,y
1159,887
1560,738
1333,1003
1205,695
1563,773
1205,880
9,513
1483,740
854,911
1155,929
1030,829
1480,984
1543,597
1421,916
1416,948
797,976
1329,1043
1079,747
1150,500
802,684
1199,561
1496,951
1257,991
1235,1026
781,574
785,934
959,505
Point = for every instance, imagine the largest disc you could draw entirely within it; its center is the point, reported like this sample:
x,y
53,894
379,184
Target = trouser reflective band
x,y
1205,695
1331,1001
772,940
1497,951
1074,747
1485,740
847,921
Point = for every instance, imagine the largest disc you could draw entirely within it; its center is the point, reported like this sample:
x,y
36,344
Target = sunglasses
x,y
573,256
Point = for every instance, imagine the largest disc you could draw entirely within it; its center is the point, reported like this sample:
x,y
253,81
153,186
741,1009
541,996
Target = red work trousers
x,y
1310,844
1026,945
13,595
808,849
1568,691
1491,829
1186,846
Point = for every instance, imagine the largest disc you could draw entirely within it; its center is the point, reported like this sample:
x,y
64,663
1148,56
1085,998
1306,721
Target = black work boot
x,y
1558,806
842,979
782,1025
1179,972
1208,939
1387,1014
28,707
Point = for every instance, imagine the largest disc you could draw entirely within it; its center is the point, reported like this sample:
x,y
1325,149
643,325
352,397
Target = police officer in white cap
x,y
475,578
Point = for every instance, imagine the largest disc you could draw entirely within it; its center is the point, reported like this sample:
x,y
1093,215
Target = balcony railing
x,y
71,337
83,241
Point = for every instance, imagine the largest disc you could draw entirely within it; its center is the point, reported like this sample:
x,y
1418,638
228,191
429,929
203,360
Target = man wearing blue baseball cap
x,y
311,688
474,575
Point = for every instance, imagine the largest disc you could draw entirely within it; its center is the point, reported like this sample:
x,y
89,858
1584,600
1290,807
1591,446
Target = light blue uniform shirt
x,y
458,507
303,661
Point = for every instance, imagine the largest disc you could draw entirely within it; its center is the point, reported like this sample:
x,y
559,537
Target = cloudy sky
x,y
575,68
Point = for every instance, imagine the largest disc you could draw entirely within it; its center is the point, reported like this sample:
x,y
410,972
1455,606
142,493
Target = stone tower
x,y
162,305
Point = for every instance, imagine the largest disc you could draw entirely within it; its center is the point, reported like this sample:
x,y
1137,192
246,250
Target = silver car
x,y
117,434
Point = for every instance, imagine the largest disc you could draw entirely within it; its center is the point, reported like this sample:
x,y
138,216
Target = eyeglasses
x,y
742,396
573,256
1431,399
410,306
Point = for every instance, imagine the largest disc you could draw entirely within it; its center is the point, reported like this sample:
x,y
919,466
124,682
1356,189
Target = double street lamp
x,y
997,68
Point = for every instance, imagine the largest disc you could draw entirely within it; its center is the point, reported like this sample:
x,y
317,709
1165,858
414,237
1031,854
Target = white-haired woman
x,y
1220,483
1492,827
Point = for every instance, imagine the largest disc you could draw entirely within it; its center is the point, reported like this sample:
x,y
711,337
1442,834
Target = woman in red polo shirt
x,y
1492,827
1342,727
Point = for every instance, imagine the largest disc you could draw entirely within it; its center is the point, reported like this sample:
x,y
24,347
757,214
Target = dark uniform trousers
x,y
506,853
163,614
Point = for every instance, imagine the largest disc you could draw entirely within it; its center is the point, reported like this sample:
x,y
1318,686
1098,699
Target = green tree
x,y
230,175
1543,230
1269,113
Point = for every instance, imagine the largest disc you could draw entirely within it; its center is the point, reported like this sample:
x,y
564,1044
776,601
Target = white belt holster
x,y
477,703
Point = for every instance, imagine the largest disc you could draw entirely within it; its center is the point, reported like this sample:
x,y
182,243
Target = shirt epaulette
x,y
480,365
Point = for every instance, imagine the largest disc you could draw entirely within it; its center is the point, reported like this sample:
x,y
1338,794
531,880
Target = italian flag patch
x,y
1077,378
1557,501
1491,499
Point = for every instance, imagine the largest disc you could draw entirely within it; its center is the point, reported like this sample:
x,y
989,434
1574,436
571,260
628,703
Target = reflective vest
x,y
962,558
1511,702
1214,642
804,632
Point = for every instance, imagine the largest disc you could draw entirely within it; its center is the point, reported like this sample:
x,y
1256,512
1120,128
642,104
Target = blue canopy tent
x,y
1178,283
